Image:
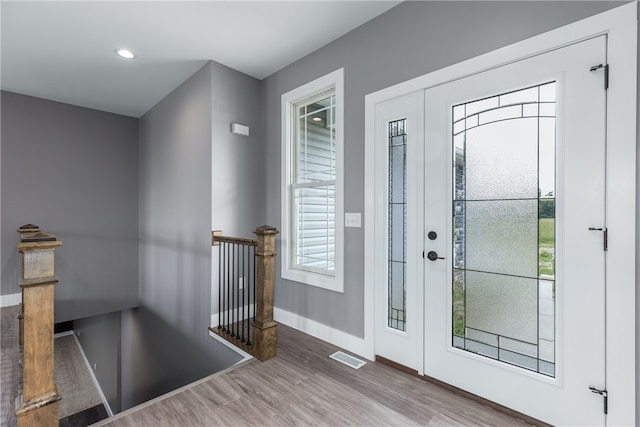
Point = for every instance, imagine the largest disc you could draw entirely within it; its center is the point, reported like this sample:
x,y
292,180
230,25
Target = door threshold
x,y
474,397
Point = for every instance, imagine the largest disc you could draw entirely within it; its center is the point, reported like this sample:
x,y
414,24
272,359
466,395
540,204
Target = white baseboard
x,y
323,332
11,299
93,376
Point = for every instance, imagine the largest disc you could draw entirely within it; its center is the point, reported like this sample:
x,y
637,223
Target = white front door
x,y
493,277
515,185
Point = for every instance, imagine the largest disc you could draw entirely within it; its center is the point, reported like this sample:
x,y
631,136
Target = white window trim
x,y
333,282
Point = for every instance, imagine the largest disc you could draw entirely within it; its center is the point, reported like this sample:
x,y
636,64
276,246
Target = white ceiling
x,y
64,50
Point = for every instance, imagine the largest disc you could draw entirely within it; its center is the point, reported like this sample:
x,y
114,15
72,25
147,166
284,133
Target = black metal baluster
x,y
228,289
247,288
219,285
255,279
224,288
237,291
223,285
244,278
234,280
249,282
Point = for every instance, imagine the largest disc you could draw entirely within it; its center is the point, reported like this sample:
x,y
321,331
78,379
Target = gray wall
x,y
238,164
73,172
410,40
165,341
99,337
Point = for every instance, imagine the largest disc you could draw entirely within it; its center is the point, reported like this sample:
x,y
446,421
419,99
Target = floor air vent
x,y
348,360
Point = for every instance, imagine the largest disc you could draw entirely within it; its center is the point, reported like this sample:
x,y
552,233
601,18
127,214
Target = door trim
x,y
620,26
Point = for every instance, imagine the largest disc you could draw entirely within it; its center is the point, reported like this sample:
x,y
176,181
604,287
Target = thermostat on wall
x,y
238,129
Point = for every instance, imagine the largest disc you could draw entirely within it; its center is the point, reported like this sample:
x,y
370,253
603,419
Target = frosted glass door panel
x,y
502,236
502,160
503,306
504,227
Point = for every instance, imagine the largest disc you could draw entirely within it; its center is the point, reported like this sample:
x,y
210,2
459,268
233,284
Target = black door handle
x,y
433,255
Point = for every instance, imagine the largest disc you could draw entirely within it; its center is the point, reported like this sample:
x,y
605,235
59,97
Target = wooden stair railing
x,y
39,401
246,287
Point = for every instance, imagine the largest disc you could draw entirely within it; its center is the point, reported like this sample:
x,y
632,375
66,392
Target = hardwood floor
x,y
9,362
303,386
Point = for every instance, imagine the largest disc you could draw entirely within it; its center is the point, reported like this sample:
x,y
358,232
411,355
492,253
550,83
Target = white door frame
x,y
620,26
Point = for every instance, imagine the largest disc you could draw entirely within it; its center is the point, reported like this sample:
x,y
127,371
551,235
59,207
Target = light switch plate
x,y
352,220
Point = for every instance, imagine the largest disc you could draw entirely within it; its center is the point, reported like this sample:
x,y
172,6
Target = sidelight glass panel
x,y
397,160
397,224
503,290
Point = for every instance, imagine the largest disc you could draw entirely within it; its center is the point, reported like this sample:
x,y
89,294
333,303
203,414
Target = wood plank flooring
x,y
10,364
303,386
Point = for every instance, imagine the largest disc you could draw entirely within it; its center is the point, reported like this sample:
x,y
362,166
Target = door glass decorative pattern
x,y
504,227
396,317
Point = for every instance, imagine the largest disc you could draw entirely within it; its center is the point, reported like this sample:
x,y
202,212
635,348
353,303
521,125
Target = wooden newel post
x,y
40,398
264,327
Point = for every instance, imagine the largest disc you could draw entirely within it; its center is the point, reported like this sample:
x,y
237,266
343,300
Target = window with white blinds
x,y
314,184
312,208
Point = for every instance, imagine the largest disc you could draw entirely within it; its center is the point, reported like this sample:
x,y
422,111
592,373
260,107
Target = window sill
x,y
331,283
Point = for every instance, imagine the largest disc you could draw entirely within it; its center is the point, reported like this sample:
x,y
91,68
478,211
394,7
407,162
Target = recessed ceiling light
x,y
125,53
317,119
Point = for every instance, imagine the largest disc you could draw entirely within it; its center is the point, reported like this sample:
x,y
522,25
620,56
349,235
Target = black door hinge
x,y
605,233
606,73
604,394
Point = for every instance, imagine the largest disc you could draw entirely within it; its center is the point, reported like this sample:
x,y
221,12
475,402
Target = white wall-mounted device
x,y
238,129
